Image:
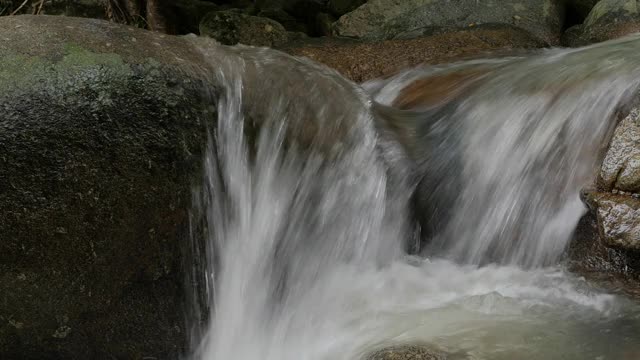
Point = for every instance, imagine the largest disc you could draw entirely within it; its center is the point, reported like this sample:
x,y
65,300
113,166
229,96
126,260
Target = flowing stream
x,y
307,197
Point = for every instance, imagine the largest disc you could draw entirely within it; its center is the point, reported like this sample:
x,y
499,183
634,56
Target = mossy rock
x,y
102,128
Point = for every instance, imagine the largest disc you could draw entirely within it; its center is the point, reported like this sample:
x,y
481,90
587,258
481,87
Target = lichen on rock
x,y
621,166
388,19
100,142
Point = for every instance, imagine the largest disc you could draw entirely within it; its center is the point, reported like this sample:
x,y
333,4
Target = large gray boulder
x,y
102,128
389,19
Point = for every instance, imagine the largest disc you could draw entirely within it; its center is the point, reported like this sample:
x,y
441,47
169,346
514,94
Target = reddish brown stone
x,y
361,61
436,90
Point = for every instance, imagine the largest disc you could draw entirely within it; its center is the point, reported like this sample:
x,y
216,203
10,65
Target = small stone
x,y
16,324
517,17
232,27
61,230
62,332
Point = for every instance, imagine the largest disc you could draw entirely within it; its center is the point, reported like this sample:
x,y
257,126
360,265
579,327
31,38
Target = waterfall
x,y
307,193
512,154
307,202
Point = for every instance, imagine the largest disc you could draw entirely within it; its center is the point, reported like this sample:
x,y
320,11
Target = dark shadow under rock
x,y
612,269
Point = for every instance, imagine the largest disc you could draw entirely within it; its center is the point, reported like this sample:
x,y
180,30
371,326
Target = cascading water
x,y
521,144
307,194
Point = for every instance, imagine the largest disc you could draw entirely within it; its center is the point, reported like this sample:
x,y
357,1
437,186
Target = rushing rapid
x,y
309,199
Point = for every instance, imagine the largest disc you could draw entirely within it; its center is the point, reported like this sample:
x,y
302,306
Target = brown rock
x,y
93,226
361,61
436,90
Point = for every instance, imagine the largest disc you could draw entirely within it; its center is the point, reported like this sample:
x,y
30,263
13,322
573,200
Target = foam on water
x,y
305,206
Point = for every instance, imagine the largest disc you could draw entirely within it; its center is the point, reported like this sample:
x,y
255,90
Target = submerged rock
x,y
233,27
407,352
391,19
102,128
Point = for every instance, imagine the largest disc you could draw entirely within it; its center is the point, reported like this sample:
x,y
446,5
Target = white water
x,y
307,222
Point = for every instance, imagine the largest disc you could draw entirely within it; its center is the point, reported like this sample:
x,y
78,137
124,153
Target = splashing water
x,y
513,153
306,206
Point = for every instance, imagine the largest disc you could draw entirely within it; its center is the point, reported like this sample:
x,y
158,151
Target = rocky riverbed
x,y
104,123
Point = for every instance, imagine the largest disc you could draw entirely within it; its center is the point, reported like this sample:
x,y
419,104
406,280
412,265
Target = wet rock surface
x,y
618,218
407,352
614,269
361,61
389,19
606,245
101,126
